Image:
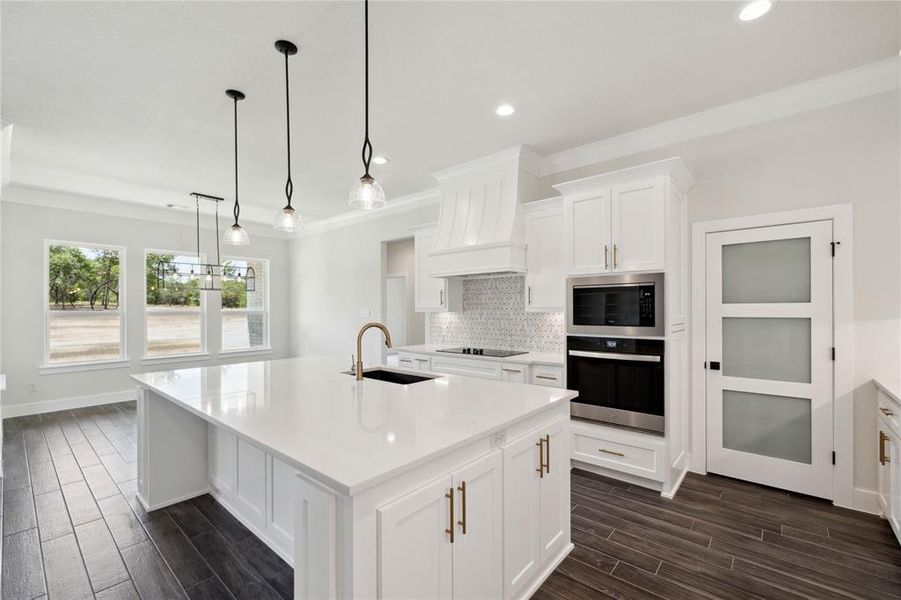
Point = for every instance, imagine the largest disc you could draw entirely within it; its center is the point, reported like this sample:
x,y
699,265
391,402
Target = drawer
x,y
887,410
514,373
547,375
639,454
483,369
416,362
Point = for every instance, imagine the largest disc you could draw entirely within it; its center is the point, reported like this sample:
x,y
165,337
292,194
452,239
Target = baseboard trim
x,y
46,406
253,527
866,501
670,493
151,507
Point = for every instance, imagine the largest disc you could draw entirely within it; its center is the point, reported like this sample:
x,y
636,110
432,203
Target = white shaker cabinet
x,y
617,221
432,294
636,232
536,503
888,438
545,271
587,232
445,539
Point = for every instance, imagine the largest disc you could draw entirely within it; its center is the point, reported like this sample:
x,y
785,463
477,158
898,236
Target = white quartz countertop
x,y
350,435
532,358
892,387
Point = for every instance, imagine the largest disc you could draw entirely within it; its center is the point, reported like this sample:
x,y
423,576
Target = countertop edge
x,y
519,359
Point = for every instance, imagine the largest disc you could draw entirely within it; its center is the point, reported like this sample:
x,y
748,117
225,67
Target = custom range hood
x,y
480,227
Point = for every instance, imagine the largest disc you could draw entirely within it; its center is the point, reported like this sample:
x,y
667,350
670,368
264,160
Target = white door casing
x,y
781,396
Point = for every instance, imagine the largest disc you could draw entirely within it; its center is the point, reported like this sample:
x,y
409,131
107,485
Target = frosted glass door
x,y
769,349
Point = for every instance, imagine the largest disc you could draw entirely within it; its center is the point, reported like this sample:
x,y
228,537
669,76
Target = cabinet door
x,y
415,553
893,454
429,292
521,513
587,234
513,373
545,273
478,549
637,212
553,527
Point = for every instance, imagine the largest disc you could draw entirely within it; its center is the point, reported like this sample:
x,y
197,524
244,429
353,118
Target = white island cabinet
x,y
453,487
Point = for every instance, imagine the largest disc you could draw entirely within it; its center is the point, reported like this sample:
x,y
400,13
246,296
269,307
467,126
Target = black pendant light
x,y
236,235
287,218
367,193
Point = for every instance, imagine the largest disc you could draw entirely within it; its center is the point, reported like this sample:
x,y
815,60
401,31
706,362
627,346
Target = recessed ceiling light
x,y
380,160
505,110
755,10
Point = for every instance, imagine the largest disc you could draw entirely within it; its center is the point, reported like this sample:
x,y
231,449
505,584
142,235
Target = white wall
x,y
24,229
843,154
400,260
336,274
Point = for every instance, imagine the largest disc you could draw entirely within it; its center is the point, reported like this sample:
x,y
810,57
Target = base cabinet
x,y
444,540
536,503
888,438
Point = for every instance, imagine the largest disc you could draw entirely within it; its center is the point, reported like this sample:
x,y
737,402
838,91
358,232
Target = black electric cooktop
x,y
484,352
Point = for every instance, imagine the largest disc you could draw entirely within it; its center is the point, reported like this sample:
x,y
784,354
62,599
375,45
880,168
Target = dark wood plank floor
x,y
720,538
72,527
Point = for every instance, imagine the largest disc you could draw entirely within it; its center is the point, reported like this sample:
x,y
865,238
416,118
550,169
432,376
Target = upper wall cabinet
x,y
545,271
432,294
616,222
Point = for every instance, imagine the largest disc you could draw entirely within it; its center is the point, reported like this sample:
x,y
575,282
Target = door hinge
x,y
833,353
834,244
833,457
705,364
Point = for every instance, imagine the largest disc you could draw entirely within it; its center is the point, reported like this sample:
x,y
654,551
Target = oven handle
x,y
616,356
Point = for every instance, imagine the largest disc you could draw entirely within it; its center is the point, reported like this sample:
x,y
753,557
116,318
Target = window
x,y
85,303
245,313
174,310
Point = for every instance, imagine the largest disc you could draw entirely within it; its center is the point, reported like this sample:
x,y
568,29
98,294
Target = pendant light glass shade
x,y
236,236
367,194
288,219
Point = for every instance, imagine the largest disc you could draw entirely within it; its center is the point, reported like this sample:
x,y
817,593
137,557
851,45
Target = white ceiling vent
x,y
480,229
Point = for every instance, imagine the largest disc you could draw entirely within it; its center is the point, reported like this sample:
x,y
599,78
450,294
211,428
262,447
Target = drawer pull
x,y
613,452
511,370
546,377
406,360
886,412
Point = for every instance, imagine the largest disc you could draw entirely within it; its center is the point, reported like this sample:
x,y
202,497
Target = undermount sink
x,y
393,376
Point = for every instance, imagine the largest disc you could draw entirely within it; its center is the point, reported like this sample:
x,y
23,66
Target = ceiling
x,y
132,93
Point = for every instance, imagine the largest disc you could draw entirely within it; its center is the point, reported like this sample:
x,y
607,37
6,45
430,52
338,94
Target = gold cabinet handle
x,y
614,256
882,457
462,522
530,295
450,530
441,297
547,454
886,412
605,258
613,452
548,377
510,370
540,468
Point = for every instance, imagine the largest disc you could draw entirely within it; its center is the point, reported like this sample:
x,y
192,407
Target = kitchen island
x,y
453,487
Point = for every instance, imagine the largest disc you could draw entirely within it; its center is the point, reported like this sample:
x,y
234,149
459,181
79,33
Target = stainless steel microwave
x,y
628,304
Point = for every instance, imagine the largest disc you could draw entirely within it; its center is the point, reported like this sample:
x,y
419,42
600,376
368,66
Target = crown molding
x,y
17,193
402,204
866,80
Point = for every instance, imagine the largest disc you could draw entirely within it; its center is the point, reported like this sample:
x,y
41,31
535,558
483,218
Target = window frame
x,y
122,359
202,309
267,342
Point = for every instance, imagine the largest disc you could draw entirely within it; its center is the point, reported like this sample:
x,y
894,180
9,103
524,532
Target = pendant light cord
x,y
237,209
367,145
289,186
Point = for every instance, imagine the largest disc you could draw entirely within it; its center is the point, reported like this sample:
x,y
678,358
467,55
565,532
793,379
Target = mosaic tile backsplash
x,y
494,316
